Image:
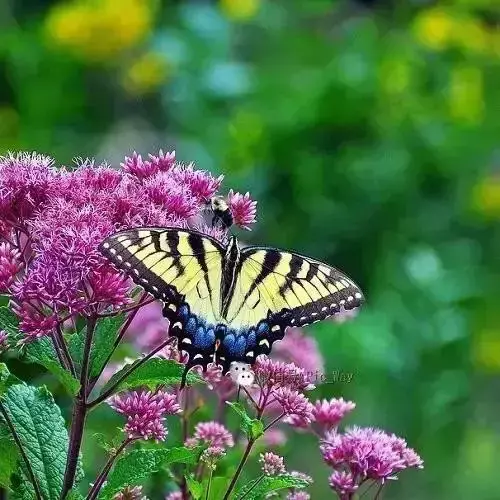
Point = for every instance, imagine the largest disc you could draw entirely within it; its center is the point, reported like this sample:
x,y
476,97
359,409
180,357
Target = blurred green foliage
x,y
369,133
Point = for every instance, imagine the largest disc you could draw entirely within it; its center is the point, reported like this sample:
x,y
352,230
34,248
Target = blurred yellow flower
x,y
99,30
240,10
145,74
486,200
465,98
434,28
470,34
438,29
486,350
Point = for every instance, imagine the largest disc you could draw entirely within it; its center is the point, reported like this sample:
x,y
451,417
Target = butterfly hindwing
x,y
183,270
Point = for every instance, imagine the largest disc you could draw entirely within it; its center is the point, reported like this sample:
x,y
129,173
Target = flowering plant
x,y
70,311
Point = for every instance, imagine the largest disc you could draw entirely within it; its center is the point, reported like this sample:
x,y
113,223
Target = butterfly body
x,y
227,304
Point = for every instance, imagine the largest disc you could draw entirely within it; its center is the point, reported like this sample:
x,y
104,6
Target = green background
x,y
369,132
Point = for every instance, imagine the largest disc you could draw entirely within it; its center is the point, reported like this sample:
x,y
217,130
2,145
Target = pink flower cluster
x,y
175,495
243,208
328,414
52,221
145,412
130,493
212,433
10,265
272,464
358,455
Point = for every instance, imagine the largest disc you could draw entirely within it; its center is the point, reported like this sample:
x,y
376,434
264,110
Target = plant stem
x,y
101,478
119,337
185,430
250,397
260,410
132,369
31,474
134,307
209,483
243,460
277,419
79,413
57,348
379,490
65,352
256,482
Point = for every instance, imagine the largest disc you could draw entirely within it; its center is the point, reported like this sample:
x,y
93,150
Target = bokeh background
x,y
369,132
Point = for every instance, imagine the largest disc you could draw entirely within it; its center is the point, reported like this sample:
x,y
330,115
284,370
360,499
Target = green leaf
x,y
74,495
6,378
252,427
152,373
42,352
218,487
258,489
102,344
9,321
195,487
43,436
138,465
256,429
9,456
21,487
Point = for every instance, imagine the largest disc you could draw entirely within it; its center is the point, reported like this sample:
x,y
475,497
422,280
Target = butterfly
x,y
225,303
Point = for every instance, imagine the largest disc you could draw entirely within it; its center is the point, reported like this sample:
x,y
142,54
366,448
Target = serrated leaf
x,y
9,321
138,465
151,374
42,352
194,486
102,344
252,427
21,488
74,495
268,484
6,378
256,429
9,456
42,433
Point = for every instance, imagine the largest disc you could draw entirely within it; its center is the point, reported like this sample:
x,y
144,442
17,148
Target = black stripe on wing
x,y
114,249
317,309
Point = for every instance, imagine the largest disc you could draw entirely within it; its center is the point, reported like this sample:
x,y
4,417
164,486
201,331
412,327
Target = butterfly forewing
x,y
182,269
286,289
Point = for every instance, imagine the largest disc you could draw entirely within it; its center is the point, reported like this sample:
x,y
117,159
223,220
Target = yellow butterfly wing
x,y
182,269
278,289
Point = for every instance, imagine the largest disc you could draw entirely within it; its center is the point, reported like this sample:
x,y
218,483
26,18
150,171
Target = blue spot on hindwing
x,y
183,311
240,345
228,341
251,338
191,326
263,329
236,343
204,338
